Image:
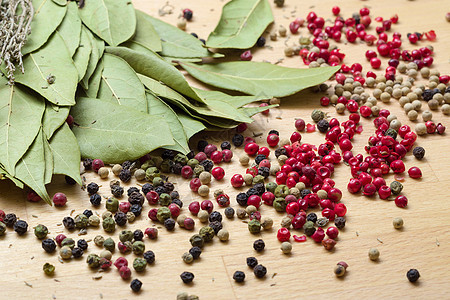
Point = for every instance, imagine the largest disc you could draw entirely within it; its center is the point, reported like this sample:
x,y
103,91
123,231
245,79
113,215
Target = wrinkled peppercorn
x,y
125,175
48,245
169,224
87,213
69,223
215,216
77,252
252,191
216,226
308,228
396,187
136,285
161,190
187,277
323,125
264,171
92,188
147,188
392,133
120,218
195,252
10,220
136,198
225,145
419,152
259,158
149,256
201,145
237,140
427,94
311,217
95,199
138,235
280,151
252,262
87,163
339,222
305,192
413,275
259,245
178,202
260,271
81,221
138,247
133,189
136,209
207,164
241,199
21,227
197,241
117,191
207,233
82,244
229,212
239,276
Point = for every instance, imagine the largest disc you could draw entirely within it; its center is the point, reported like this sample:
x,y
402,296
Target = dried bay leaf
x,y
61,2
47,17
146,33
115,133
70,28
157,107
257,78
20,120
235,101
4,174
54,117
66,153
114,21
81,57
190,125
253,110
119,84
94,81
178,43
98,46
152,65
51,60
48,159
241,24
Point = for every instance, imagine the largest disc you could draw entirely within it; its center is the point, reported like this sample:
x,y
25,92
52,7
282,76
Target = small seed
x,y
398,223
374,254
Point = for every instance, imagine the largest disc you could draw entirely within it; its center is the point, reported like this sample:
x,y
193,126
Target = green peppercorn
x,y
308,228
258,179
165,167
40,231
139,264
187,257
281,191
266,223
181,158
250,209
192,163
139,174
279,204
126,235
182,296
69,242
147,164
112,205
317,115
158,181
109,225
94,221
99,240
109,244
131,217
2,228
396,187
254,226
151,173
398,223
164,199
81,221
138,247
207,233
271,186
199,169
49,269
163,214
93,261
197,241
65,252
107,214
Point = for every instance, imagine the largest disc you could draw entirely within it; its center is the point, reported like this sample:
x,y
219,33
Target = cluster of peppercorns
x,y
259,270
10,220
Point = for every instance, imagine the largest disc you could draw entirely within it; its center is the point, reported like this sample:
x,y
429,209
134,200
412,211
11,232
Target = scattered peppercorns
x,y
259,245
239,276
136,285
412,275
187,277
260,271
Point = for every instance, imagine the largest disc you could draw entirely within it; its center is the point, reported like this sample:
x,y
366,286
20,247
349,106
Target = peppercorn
x,y
207,165
82,244
195,252
99,240
49,269
259,245
239,276
109,244
126,235
322,222
136,285
216,226
187,257
412,275
40,231
197,241
92,188
149,256
139,264
81,221
112,204
169,224
398,223
215,216
203,216
21,227
136,209
138,247
229,212
286,247
391,132
69,223
237,140
77,252
339,270
69,242
339,222
117,191
207,233
308,228
94,221
254,226
374,254
419,152
95,199
279,204
317,115
242,199
260,271
120,218
164,199
163,214
187,277
65,252
48,245
323,125
2,228
125,175
266,223
396,187
10,220
93,261
251,192
106,254
241,213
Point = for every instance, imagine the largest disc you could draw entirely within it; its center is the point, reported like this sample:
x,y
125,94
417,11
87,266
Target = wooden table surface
x,y
423,243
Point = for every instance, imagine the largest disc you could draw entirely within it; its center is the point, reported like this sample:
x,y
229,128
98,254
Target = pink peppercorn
x,y
125,272
397,166
59,238
401,201
294,27
2,215
195,184
283,234
33,197
268,198
440,129
152,214
227,155
264,112
121,262
174,210
292,208
194,207
237,180
152,233
264,151
218,173
336,10
209,149
187,172
273,139
384,192
415,172
254,200
298,221
264,163
201,156
324,101
207,205
300,124
97,164
332,232
152,197
216,157
340,209
318,235
369,189
431,127
189,223
59,199
124,206
299,239
329,213
251,149
295,137
246,56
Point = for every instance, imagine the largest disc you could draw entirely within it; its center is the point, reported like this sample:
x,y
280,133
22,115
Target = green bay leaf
x,y
157,107
47,17
94,81
253,110
235,101
258,78
115,133
70,28
241,24
119,84
48,159
4,174
152,65
82,56
31,168
146,33
98,46
190,125
66,153
20,119
61,2
54,117
178,43
114,21
52,59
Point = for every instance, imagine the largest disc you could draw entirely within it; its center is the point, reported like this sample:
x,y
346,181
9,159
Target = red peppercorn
x,y
273,139
398,166
283,234
415,172
401,201
241,127
97,164
268,198
2,215
195,184
375,63
413,38
329,213
237,180
384,49
187,172
125,272
209,149
207,205
218,173
194,207
59,199
431,127
370,54
246,56
152,233
440,129
295,137
444,79
394,19
430,35
254,200
299,124
264,112
336,10
294,27
251,149
189,223
340,209
174,210
354,185
292,208
318,235
33,197
121,262
384,192
216,157
299,239
364,11
59,238
264,151
325,101
332,232
201,156
369,189
351,36
124,206
227,155
152,213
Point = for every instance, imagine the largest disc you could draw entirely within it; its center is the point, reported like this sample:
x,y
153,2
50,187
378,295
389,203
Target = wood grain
x,y
308,271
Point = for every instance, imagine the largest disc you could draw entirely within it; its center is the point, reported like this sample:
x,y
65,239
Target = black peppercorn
x,y
133,189
225,145
87,164
175,195
241,199
311,217
92,188
259,158
216,226
323,125
48,245
187,277
147,188
195,252
21,227
87,213
419,152
82,244
259,245
252,262
149,256
161,190
427,94
261,41
120,218
127,164
273,131
10,220
136,209
95,199
178,202
69,180
168,154
77,252
203,41
117,191
229,212
305,192
252,191
260,188
413,275
201,145
215,216
280,151
136,285
239,276
264,171
339,222
191,154
207,164
169,224
260,271
176,168
237,140
69,223
125,175
169,186
138,235
136,198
